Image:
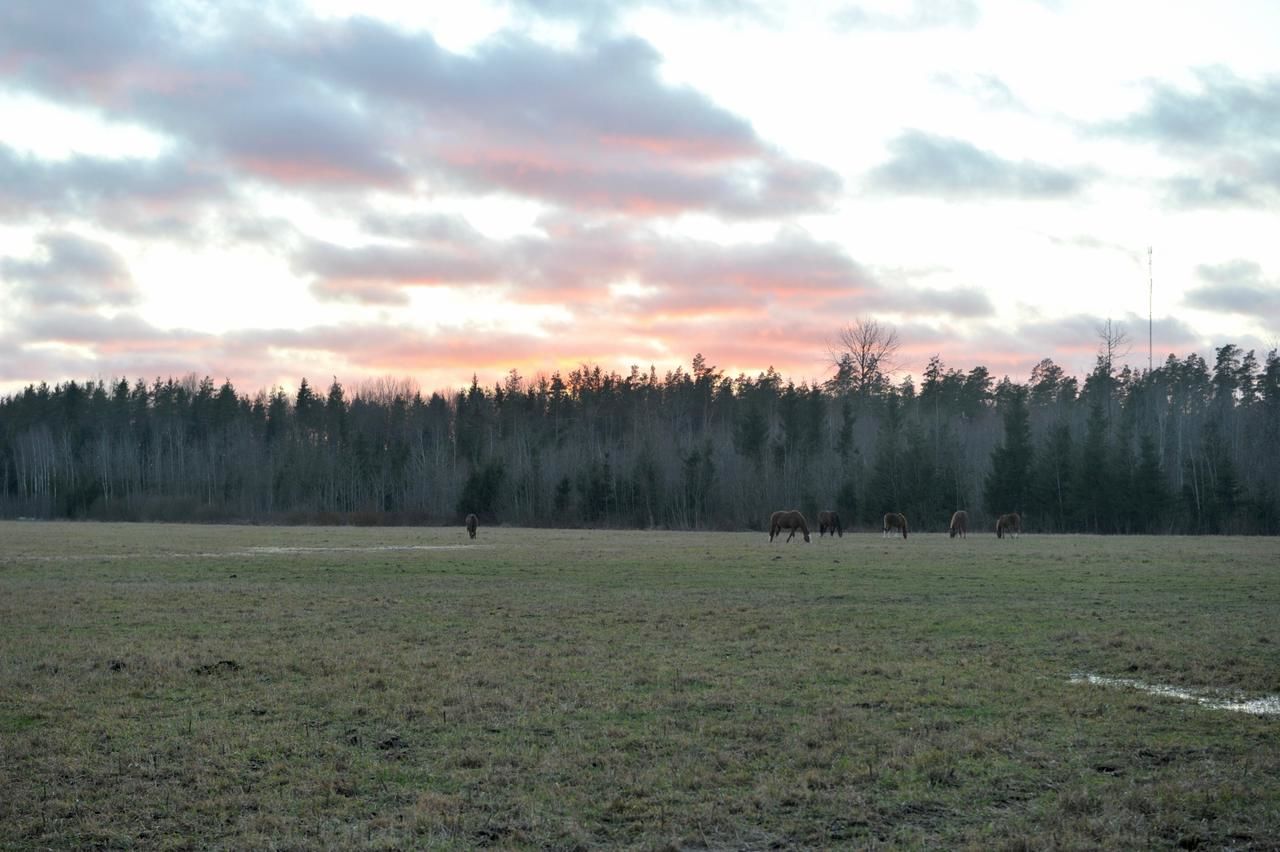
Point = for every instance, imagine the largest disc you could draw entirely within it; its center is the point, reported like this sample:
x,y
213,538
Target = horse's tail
x,y
904,525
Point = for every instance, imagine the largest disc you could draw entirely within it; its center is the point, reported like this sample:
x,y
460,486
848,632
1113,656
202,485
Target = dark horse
x,y
788,519
829,522
959,524
1010,524
472,523
895,521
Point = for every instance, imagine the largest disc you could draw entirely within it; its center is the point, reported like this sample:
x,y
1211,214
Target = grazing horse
x,y
895,521
472,523
1010,523
829,522
788,519
959,524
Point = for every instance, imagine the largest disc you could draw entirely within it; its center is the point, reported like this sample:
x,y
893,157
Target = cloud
x,y
1241,180
1237,287
377,274
593,127
1093,243
922,163
1013,347
74,271
987,90
1227,128
574,262
961,302
155,197
1224,110
601,12
357,104
921,15
1080,335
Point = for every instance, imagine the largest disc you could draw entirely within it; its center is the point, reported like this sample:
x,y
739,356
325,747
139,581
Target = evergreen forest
x,y
1188,447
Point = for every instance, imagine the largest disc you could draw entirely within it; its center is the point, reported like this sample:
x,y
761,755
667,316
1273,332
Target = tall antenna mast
x,y
1151,289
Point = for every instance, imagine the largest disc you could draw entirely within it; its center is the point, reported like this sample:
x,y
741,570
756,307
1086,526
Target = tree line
x,y
1182,448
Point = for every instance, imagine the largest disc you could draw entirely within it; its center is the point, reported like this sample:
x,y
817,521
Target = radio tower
x,y
1150,290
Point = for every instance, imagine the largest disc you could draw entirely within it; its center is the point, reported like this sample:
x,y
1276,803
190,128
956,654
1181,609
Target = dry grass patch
x,y
186,686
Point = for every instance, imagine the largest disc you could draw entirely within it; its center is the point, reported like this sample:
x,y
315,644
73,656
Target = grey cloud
x,y
82,49
1238,271
230,96
592,127
1234,179
601,12
925,164
163,196
985,89
965,302
1081,332
123,344
1086,241
74,271
1226,109
374,272
792,263
763,189
1227,129
901,298
122,335
20,364
922,15
356,104
1237,287
573,260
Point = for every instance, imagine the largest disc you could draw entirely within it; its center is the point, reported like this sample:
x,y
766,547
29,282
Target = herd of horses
x,y
894,523
829,522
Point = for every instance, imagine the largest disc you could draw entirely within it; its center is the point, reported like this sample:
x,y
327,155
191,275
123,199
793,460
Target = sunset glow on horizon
x,y
332,190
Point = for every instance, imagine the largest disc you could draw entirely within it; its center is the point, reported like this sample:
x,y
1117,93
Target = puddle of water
x,y
1268,705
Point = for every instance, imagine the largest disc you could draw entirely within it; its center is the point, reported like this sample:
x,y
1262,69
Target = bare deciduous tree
x,y
863,356
1113,344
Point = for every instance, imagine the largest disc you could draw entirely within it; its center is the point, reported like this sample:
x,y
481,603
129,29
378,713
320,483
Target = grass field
x,y
257,687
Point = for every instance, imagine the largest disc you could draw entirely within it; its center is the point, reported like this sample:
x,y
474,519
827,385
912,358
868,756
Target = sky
x,y
265,191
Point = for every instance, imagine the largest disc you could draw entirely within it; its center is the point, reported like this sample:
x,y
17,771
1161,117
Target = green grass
x,y
255,687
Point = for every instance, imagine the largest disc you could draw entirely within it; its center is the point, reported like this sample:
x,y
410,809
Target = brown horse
x,y
829,522
472,523
787,519
959,524
895,521
1010,524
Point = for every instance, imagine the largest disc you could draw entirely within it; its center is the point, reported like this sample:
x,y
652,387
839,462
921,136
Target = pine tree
x,y
1006,488
1053,479
1150,488
1093,492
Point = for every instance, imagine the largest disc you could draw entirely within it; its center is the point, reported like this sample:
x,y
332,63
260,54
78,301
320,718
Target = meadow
x,y
173,686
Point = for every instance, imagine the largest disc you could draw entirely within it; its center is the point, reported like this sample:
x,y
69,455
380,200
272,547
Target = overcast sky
x,y
262,191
